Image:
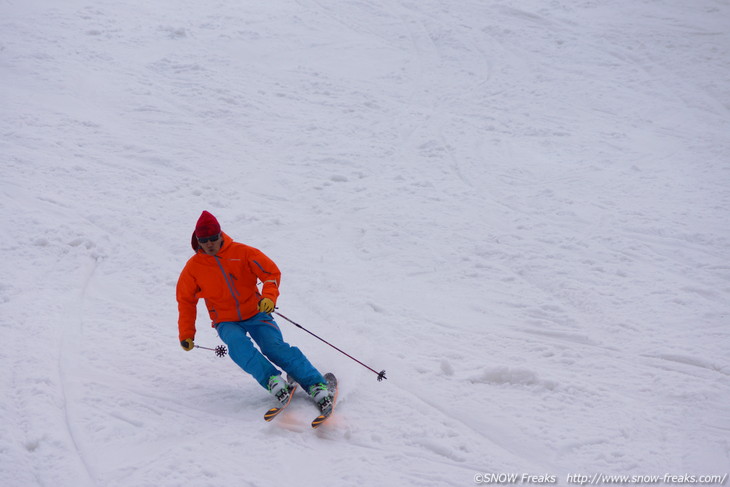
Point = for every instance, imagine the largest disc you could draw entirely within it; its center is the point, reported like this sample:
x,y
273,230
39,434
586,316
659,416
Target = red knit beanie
x,y
207,226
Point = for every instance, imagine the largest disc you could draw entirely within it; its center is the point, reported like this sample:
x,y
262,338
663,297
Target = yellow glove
x,y
187,344
266,305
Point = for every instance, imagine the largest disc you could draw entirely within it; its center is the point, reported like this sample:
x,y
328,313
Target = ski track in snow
x,y
518,210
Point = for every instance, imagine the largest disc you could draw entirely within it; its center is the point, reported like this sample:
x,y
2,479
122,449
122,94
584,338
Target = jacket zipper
x,y
231,287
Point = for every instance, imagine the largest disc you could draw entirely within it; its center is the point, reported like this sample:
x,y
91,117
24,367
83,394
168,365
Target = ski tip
x,y
319,420
271,413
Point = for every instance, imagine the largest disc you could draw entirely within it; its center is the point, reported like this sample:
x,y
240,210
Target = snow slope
x,y
518,209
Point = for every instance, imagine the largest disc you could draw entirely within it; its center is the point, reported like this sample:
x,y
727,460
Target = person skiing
x,y
225,274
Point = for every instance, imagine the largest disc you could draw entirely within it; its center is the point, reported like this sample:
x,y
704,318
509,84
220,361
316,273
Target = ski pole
x,y
220,350
381,374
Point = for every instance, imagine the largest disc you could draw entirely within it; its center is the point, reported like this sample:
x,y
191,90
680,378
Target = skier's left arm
x,y
270,276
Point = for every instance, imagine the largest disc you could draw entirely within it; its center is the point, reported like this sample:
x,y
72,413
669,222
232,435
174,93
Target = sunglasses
x,y
209,239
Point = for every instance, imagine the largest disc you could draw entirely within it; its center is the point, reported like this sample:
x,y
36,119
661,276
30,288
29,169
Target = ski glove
x,y
187,344
266,305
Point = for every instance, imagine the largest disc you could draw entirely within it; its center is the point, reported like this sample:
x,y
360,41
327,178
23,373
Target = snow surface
x,y
518,209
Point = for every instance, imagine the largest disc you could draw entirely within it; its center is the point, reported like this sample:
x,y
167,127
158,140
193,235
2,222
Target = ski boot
x,y
321,396
280,389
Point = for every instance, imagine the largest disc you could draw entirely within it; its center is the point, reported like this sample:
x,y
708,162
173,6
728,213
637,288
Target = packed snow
x,y
519,210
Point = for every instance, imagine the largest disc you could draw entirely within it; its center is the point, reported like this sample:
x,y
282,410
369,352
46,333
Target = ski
x,y
273,412
325,414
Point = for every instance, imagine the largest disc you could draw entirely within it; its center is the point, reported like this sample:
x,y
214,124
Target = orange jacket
x,y
227,282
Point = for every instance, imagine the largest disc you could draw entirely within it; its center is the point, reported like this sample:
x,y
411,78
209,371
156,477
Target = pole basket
x,y
221,351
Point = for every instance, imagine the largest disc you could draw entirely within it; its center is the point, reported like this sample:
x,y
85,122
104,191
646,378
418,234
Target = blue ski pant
x,y
274,351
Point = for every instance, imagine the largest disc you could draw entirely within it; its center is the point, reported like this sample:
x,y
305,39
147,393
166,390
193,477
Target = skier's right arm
x,y
187,303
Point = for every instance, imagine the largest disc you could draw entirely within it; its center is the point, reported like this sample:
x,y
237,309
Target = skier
x,y
225,273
